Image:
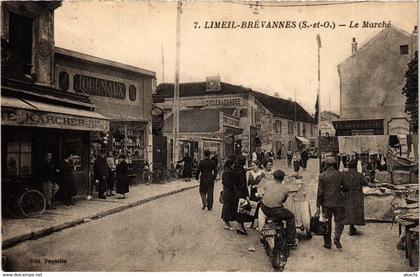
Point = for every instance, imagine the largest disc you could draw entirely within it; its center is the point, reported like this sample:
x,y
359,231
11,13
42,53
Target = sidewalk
x,y
18,230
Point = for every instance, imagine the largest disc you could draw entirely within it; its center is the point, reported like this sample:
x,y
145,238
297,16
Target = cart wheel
x,y
308,234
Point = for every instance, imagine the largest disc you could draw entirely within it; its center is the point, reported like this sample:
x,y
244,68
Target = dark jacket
x,y
101,168
353,197
122,177
188,164
330,186
207,169
229,204
48,171
241,191
304,155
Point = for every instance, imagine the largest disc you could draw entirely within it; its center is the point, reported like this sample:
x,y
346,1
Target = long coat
x,y
229,204
240,191
353,198
188,164
68,187
208,171
122,177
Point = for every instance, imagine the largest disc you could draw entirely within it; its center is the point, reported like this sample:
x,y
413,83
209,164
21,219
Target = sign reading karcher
x,y
29,118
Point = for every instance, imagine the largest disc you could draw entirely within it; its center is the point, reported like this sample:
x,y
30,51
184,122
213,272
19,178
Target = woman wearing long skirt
x,y
187,171
353,197
241,191
122,177
229,204
254,179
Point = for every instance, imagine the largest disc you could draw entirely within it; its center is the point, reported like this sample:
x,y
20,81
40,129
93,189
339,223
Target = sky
x,y
269,60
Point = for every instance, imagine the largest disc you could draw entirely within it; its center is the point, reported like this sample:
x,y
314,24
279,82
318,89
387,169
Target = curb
x,y
31,235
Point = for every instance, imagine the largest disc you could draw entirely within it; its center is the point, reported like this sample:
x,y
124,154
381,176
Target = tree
x,y
410,90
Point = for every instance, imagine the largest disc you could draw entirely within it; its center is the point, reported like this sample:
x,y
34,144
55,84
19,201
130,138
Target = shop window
x,y
404,49
75,145
19,153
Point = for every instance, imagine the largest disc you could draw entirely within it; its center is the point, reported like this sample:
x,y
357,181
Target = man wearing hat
x,y
275,194
330,198
208,170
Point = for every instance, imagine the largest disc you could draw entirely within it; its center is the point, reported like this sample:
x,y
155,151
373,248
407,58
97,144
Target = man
x,y
330,198
68,186
101,169
275,194
48,177
304,158
207,169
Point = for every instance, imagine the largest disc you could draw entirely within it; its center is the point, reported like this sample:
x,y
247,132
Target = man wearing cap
x,y
275,194
330,198
208,170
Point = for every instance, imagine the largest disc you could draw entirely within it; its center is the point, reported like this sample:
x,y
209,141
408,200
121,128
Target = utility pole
x,y
175,123
318,38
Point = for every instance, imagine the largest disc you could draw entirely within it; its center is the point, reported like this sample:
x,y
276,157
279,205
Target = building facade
x,y
119,92
371,82
38,118
248,118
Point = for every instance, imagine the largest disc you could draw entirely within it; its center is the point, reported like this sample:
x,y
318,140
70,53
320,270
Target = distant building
x,y
326,125
229,118
371,82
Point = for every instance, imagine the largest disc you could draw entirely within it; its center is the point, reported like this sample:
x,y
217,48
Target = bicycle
x,y
25,200
158,175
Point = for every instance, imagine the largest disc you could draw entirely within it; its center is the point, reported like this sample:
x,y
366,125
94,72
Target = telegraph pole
x,y
175,123
318,38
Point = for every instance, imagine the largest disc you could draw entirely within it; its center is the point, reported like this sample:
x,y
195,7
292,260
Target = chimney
x,y
276,94
414,37
353,46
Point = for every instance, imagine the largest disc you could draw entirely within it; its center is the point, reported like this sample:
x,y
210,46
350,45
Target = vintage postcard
x,y
209,136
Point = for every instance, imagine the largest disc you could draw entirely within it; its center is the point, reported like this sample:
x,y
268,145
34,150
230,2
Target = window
x,y
19,153
20,39
277,126
299,128
243,113
290,127
304,129
312,129
404,49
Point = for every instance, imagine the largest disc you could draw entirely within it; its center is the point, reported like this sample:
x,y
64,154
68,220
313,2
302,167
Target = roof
x,y
284,108
278,106
382,34
96,60
197,89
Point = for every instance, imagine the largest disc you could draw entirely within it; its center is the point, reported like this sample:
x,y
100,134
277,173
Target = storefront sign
x,y
232,121
224,102
359,124
20,117
99,87
398,126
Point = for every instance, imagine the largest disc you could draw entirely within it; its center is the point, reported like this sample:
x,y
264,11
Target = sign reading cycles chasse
x,y
99,87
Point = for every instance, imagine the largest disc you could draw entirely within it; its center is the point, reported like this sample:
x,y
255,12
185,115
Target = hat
x,y
279,174
330,160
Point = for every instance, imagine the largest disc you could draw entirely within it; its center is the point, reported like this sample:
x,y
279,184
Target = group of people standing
x,y
340,194
109,172
238,183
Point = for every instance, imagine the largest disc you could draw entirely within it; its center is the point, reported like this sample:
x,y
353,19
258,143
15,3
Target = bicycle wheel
x,y
147,177
32,203
12,206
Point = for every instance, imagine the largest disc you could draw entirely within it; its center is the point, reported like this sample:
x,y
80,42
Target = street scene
x,y
266,136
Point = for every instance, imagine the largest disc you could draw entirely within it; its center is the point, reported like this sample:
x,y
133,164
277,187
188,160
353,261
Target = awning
x,y
303,140
30,113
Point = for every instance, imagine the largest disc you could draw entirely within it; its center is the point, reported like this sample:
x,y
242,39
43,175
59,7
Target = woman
x,y
122,177
353,197
229,204
296,164
187,172
111,177
289,158
254,179
240,191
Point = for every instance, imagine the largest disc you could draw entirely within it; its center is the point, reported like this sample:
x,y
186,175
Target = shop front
x,y
32,128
